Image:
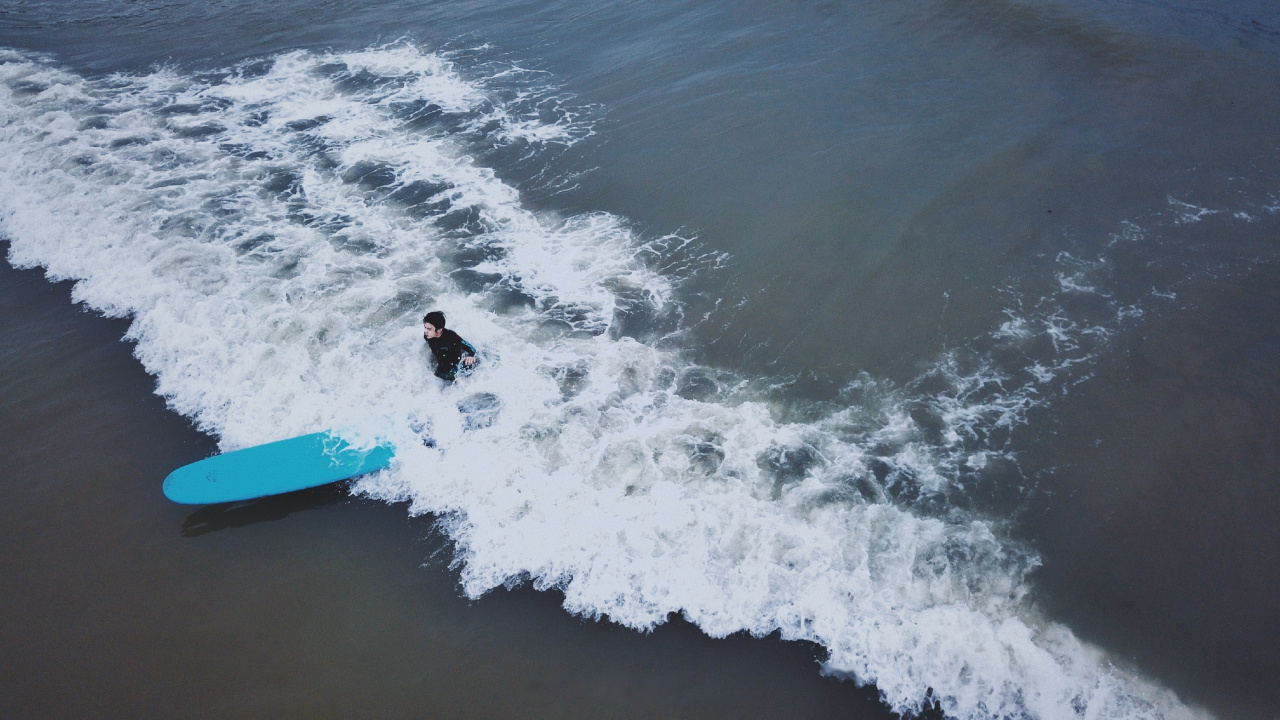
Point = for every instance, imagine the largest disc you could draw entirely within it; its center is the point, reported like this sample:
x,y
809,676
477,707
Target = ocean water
x,y
942,336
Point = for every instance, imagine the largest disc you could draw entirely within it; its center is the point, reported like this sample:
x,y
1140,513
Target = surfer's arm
x,y
468,353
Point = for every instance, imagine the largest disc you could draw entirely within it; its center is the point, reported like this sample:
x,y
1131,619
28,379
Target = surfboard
x,y
279,467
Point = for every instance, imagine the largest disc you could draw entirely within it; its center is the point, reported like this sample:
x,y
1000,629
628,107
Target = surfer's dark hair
x,y
436,318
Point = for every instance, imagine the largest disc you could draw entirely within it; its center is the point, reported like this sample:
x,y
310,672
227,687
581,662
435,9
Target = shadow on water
x,y
212,518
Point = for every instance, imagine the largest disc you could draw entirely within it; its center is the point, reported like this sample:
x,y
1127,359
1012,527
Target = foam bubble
x,y
276,230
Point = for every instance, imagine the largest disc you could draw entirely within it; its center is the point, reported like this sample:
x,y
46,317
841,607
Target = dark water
x,y
891,184
118,603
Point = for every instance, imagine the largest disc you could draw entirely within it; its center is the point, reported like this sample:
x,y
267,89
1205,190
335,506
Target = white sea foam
x,y
276,232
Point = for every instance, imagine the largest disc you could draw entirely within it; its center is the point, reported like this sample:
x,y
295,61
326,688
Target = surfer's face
x,y
430,331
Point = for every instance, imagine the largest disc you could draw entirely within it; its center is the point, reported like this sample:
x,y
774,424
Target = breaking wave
x,y
275,231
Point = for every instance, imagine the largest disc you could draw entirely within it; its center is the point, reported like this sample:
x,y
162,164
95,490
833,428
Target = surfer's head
x,y
433,324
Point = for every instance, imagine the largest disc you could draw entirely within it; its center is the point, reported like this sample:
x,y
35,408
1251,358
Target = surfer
x,y
448,347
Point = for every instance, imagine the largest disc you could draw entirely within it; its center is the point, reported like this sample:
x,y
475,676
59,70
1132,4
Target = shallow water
x,y
941,335
119,603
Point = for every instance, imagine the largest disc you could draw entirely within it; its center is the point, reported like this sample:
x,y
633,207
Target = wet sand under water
x,y
118,603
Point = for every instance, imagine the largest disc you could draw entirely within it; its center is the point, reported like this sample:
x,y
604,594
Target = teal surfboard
x,y
274,468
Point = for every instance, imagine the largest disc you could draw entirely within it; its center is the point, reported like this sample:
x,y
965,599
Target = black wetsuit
x,y
449,350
